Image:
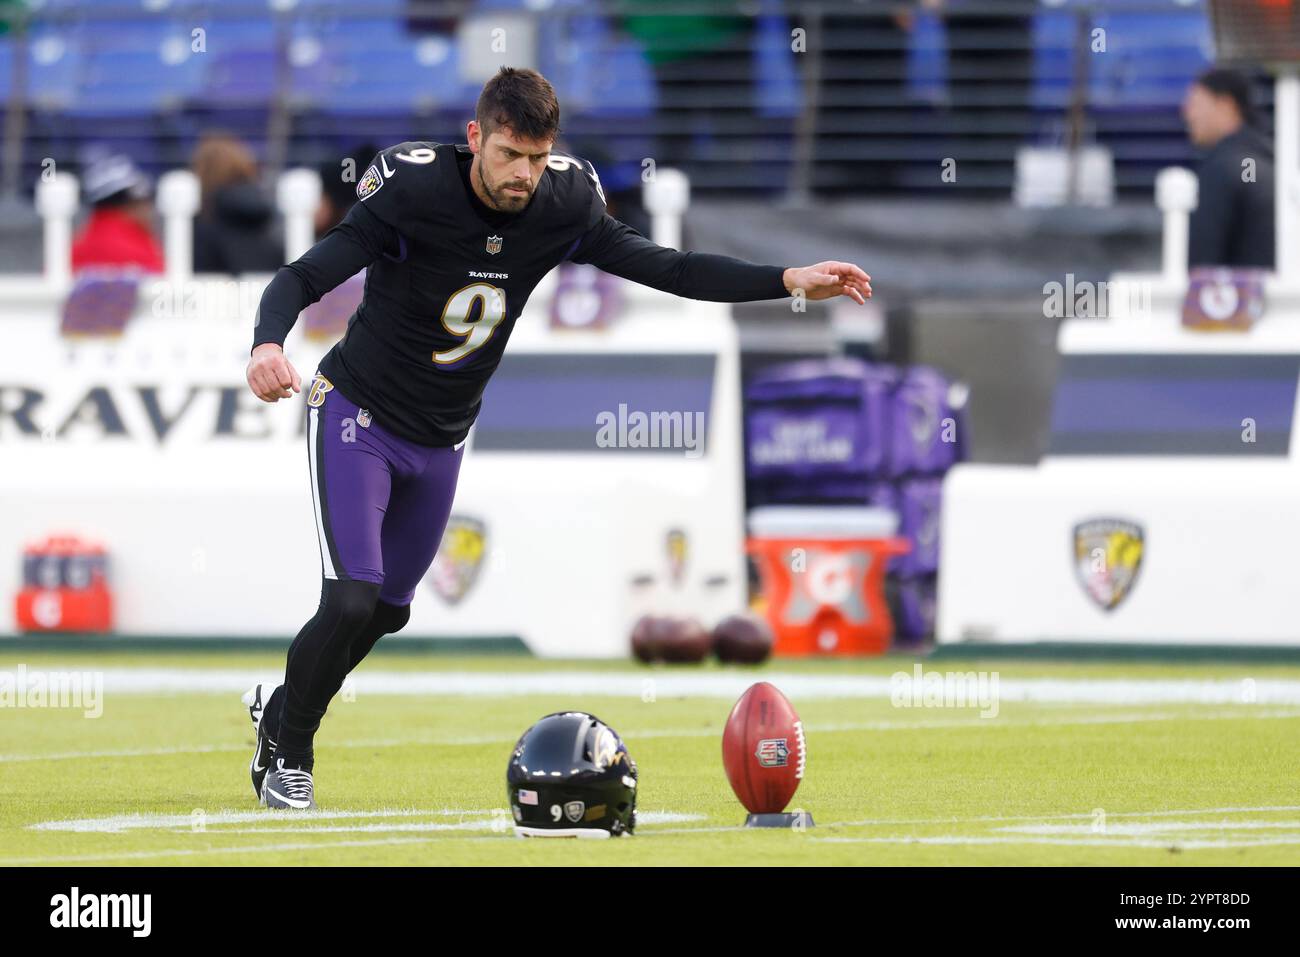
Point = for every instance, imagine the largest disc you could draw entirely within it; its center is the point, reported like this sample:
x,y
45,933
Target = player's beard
x,y
503,200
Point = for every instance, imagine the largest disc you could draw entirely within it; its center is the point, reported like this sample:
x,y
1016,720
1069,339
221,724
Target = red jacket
x,y
112,238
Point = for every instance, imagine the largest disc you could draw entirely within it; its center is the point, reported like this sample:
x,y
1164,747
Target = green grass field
x,y
1176,764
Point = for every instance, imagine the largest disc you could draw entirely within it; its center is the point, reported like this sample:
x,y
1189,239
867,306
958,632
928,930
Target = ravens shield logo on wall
x,y
459,558
1107,556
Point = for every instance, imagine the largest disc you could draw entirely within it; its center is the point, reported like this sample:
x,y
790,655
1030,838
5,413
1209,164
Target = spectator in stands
x,y
1232,224
235,231
120,230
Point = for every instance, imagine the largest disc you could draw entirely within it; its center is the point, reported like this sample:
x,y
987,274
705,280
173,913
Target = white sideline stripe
x,y
327,565
477,740
253,849
183,822
1262,809
1265,809
1152,828
1194,845
127,822
258,849
801,687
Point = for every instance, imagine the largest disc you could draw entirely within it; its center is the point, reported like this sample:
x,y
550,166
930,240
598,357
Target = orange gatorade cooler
x,y
823,574
65,587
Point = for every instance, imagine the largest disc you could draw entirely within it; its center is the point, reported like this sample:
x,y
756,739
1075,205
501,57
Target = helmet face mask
x,y
570,775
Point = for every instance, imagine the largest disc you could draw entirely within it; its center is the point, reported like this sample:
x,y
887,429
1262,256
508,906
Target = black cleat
x,y
288,786
255,702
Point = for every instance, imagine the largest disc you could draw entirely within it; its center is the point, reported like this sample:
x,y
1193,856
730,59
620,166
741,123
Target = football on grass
x,y
743,639
763,749
688,641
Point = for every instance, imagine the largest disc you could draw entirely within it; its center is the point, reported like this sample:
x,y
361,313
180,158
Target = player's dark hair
x,y
520,100
1234,85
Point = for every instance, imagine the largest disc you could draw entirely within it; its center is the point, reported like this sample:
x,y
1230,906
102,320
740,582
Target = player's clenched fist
x,y
271,375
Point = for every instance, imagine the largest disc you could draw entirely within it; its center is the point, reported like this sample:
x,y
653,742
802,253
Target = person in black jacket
x,y
1232,224
235,231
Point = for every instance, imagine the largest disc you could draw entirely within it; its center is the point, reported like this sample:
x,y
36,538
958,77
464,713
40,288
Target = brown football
x,y
743,639
763,749
650,635
688,641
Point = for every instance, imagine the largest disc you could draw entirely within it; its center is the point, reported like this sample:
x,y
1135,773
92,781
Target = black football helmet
x,y
571,776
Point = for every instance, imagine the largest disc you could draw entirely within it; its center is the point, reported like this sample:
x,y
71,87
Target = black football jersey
x,y
448,278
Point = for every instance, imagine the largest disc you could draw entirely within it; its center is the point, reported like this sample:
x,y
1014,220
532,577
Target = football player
x,y
455,238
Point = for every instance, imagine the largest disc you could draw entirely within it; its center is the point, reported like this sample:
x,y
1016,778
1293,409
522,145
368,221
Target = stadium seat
x,y
778,92
54,63
136,68
240,62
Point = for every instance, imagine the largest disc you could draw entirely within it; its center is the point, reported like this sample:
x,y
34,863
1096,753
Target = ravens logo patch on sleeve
x,y
370,183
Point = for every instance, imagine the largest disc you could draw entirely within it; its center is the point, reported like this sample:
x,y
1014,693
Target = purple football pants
x,y
381,502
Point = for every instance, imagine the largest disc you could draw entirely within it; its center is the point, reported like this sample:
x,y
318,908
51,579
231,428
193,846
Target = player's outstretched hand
x,y
829,279
271,375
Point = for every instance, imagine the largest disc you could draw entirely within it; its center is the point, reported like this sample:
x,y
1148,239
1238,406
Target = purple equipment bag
x,y
918,511
914,607
819,419
929,428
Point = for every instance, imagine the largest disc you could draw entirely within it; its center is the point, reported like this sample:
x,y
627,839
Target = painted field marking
x,y
1180,834
958,839
307,822
1244,712
1159,827
172,681
253,849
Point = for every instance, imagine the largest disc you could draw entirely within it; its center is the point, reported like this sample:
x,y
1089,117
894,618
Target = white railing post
x,y
178,204
298,194
666,198
56,202
1176,192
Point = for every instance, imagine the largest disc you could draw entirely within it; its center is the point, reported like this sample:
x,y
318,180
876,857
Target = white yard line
x,y
251,849
133,822
1159,827
957,839
1135,717
1262,809
308,823
669,684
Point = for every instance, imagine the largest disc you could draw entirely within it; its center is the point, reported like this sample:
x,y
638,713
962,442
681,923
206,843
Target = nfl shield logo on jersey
x,y
494,244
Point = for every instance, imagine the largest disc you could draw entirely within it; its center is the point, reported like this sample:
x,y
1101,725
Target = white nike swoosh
x,y
387,172
257,768
292,802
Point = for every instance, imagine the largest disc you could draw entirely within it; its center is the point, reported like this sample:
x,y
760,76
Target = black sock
x,y
302,760
318,658
386,619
